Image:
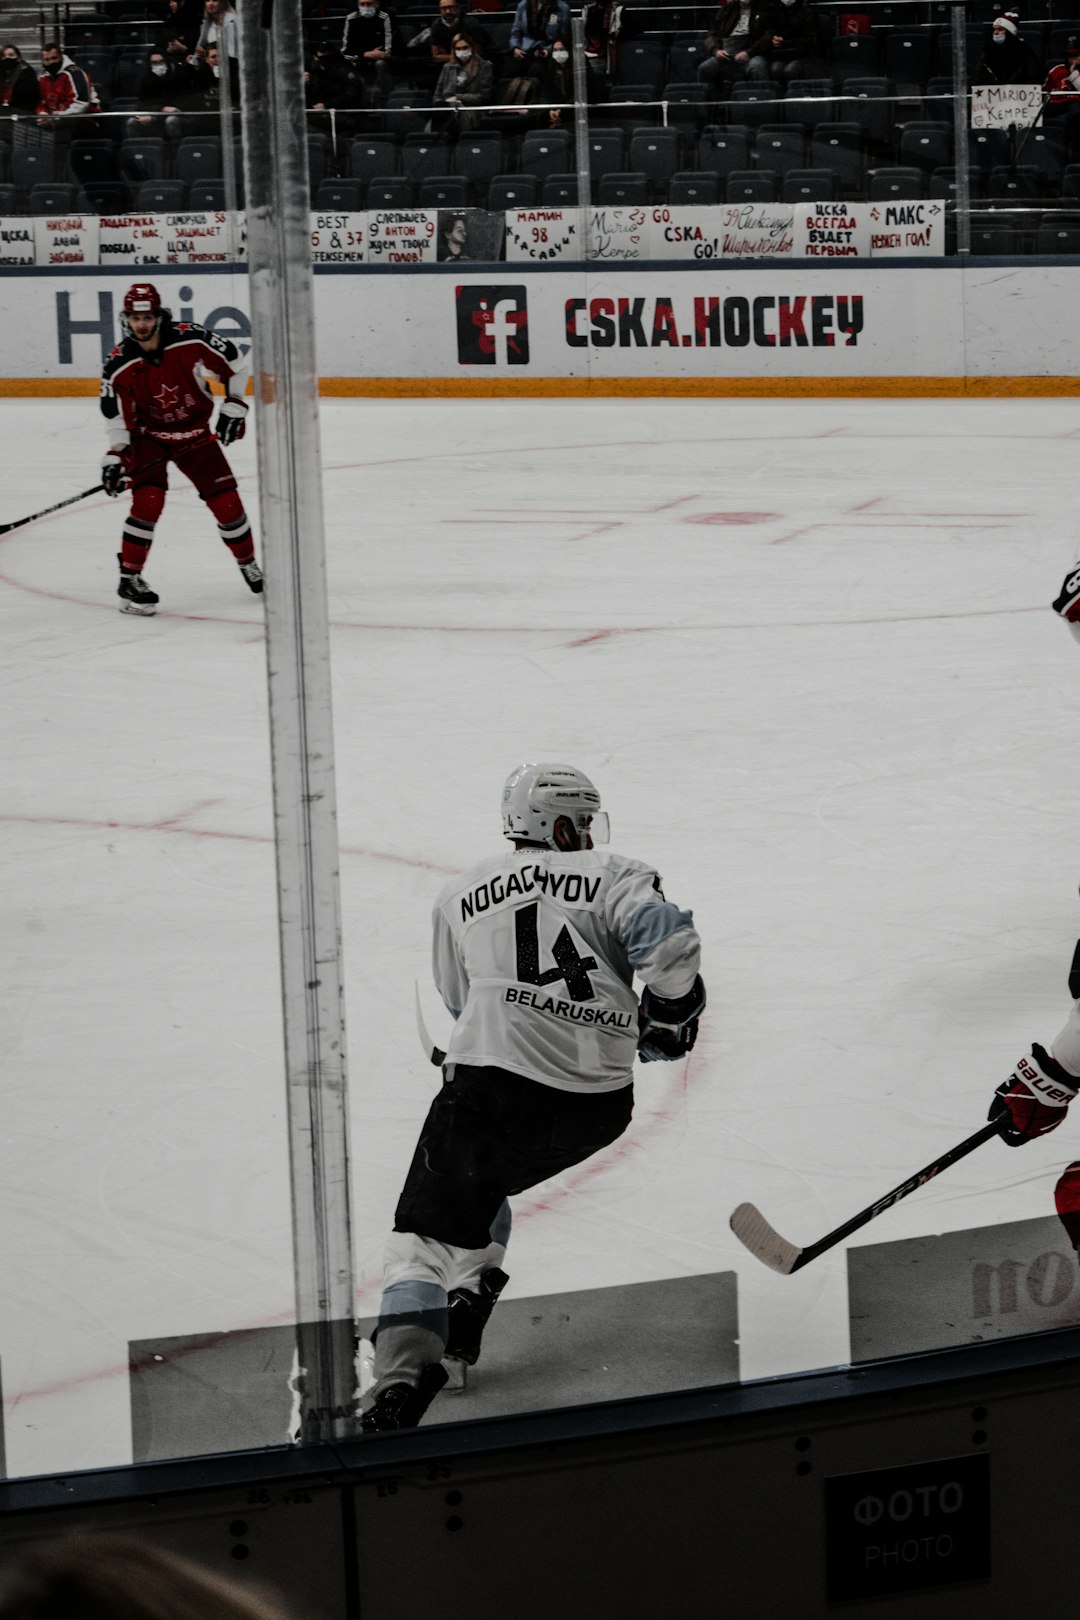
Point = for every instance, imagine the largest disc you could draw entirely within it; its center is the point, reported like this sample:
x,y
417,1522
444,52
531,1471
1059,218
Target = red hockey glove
x,y
1034,1098
668,1028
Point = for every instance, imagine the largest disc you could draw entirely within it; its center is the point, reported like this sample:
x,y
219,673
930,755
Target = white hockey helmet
x,y
535,796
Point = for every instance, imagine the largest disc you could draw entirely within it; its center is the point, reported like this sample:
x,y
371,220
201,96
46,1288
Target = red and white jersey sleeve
x,y
535,953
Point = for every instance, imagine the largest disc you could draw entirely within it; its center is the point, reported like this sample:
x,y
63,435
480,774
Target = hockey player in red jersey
x,y
157,409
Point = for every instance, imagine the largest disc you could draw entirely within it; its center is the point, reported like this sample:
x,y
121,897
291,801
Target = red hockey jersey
x,y
164,395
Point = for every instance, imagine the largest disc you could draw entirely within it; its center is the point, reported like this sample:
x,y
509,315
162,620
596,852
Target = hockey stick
x,y
433,1053
753,1230
20,523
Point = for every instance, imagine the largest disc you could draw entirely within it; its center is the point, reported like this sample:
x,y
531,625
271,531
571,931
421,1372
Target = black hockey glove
x,y
114,477
668,1029
231,421
1067,601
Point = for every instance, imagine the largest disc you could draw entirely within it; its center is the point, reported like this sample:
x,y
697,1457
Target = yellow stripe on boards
x,y
504,387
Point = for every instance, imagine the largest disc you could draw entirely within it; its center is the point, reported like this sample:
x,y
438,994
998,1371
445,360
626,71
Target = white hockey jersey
x,y
535,953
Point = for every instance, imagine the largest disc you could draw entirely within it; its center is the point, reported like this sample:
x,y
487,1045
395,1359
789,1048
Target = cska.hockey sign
x,y
802,320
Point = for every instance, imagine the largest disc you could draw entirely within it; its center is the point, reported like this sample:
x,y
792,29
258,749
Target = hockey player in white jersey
x,y
535,952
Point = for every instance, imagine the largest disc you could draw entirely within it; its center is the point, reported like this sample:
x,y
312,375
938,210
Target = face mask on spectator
x,y
158,68
463,53
367,11
560,57
52,68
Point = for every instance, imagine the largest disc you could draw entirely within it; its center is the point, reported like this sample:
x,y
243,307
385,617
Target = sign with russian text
x,y
755,230
538,235
67,239
894,1530
17,241
401,236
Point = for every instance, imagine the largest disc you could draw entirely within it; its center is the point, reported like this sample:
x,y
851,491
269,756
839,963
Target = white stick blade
x,y
764,1241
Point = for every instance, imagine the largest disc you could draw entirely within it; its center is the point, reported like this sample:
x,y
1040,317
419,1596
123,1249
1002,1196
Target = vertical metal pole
x,y
298,666
228,144
581,126
960,131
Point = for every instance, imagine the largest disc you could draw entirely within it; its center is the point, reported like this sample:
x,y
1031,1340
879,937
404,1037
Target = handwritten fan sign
x,y
996,106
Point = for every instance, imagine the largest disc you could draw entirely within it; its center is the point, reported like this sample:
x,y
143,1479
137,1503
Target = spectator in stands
x,y
733,29
368,44
65,93
785,47
465,83
557,86
432,48
120,1578
602,26
200,104
19,93
220,28
537,24
182,19
1007,59
331,85
1061,110
161,89
517,109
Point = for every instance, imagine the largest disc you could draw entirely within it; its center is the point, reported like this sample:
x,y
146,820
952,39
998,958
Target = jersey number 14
x,y
571,967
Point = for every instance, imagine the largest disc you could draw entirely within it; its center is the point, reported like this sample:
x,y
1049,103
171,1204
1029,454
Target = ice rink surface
x,y
805,651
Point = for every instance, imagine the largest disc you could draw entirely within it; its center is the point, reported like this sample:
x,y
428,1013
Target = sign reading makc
x,y
898,1529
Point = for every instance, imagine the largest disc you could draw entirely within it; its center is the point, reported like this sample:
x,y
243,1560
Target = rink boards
x,y
669,328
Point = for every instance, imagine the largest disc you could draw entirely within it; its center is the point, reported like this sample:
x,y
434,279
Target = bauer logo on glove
x,y
231,421
1034,1099
668,1028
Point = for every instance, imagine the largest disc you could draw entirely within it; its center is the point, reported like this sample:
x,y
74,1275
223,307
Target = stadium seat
x,y
161,196
723,150
107,196
692,188
206,196
901,183
839,147
994,240
340,196
779,147
809,185
908,56
93,160
1044,151
854,56
655,153
423,156
372,155
988,149
756,102
1057,238
544,153
607,152
684,59
8,198
807,103
318,155
512,191
559,191
942,184
143,158
1008,184
55,197
622,190
391,191
688,107
925,146
751,185
642,62
405,113
443,191
198,158
478,158
869,108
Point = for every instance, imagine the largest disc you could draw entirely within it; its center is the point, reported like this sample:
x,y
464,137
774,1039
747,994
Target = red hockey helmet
x,y
142,299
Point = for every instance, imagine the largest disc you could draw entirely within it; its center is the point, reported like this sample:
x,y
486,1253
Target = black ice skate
x,y
254,575
469,1314
135,594
401,1406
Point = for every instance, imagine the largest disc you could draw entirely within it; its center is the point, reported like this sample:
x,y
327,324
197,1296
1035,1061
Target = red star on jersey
x,y
166,397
